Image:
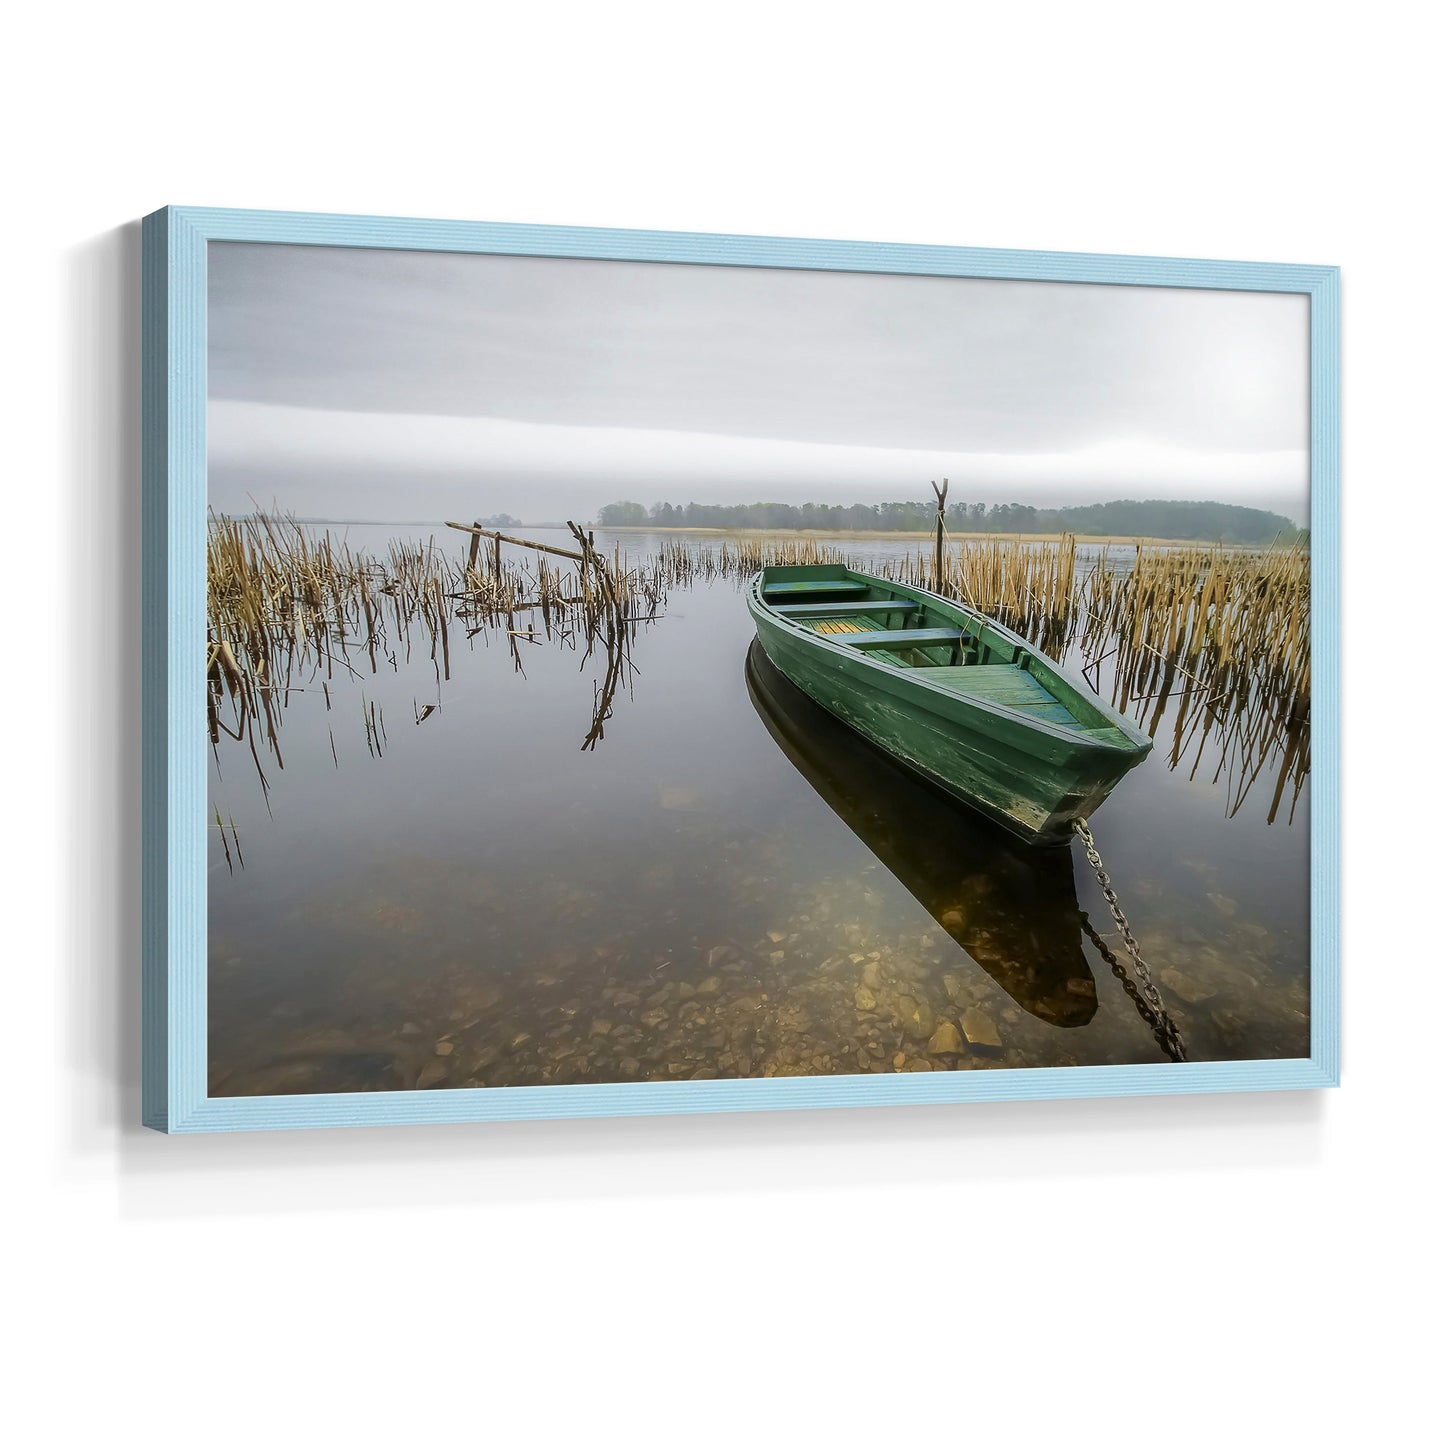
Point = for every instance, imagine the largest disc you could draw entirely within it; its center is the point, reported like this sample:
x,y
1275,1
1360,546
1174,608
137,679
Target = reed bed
x,y
681,563
290,610
1212,609
1225,633
1221,633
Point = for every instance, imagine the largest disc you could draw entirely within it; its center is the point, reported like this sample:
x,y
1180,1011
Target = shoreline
x,y
821,534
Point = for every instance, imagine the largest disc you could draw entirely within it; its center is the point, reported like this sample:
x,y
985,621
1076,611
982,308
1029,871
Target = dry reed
x,y
1225,632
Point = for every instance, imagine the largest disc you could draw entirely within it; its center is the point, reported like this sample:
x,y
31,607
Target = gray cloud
x,y
338,378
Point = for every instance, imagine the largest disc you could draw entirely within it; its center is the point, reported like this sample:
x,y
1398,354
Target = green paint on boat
x,y
972,707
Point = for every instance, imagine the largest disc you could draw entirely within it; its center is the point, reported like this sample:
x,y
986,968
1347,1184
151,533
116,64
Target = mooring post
x,y
938,535
476,545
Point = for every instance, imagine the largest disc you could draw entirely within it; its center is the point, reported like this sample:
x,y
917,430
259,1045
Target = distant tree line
x,y
1172,521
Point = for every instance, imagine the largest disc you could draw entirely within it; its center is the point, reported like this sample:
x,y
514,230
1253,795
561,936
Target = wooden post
x,y
476,544
938,536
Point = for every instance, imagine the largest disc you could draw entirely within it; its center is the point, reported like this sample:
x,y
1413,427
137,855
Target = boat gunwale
x,y
1134,740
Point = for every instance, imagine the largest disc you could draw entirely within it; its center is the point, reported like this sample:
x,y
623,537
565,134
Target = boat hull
x,y
1033,782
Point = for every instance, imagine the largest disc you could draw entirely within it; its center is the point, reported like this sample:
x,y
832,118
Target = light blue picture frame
x,y
174,251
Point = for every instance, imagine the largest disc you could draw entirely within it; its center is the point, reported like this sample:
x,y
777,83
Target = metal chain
x,y
1163,1029
1147,987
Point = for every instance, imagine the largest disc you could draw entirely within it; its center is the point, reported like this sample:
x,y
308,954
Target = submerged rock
x,y
864,999
979,1029
1182,986
945,1040
915,1017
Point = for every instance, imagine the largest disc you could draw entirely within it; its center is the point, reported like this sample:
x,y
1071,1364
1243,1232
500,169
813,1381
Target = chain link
x,y
1165,1027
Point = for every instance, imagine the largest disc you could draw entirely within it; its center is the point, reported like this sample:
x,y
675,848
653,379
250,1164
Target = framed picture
x,y
598,672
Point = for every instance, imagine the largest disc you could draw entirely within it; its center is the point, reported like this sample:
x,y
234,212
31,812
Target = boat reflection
x,y
1011,908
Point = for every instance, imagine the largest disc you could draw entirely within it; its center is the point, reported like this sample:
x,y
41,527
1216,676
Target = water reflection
x,y
1013,910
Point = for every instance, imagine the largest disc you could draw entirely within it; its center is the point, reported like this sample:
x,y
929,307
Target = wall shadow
x,y
101,454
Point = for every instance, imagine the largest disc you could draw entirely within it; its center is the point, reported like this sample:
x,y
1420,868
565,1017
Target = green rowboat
x,y
969,705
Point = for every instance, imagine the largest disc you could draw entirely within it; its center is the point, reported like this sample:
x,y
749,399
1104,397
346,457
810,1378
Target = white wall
x,y
1249,1268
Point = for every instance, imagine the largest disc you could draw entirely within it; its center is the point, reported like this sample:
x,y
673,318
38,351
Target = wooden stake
x,y
938,536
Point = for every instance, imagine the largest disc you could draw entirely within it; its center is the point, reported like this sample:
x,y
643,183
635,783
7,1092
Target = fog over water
x,y
356,383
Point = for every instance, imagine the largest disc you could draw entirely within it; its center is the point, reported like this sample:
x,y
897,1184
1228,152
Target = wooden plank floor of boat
x,y
1006,686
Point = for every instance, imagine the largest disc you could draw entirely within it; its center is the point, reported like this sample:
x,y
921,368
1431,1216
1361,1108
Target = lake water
x,y
729,884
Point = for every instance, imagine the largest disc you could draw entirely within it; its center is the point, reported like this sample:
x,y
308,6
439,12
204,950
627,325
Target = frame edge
x,y
1326,531
155,631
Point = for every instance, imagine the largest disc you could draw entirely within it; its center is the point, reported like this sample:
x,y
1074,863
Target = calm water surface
x,y
729,884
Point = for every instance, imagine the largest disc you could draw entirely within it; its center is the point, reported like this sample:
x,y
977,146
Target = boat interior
x,y
964,654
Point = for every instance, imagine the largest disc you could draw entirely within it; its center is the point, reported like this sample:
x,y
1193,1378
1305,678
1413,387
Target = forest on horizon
x,y
1168,520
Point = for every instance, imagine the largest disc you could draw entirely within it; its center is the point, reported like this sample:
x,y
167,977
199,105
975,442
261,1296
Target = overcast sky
x,y
415,385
